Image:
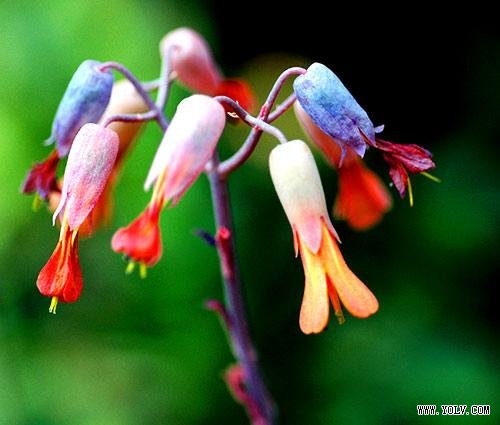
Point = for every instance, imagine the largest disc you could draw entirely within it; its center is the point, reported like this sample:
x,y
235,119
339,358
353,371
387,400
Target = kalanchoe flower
x,y
89,164
333,109
84,101
195,67
187,146
41,179
362,198
299,188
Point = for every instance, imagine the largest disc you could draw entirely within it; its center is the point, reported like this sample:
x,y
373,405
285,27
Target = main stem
x,y
238,331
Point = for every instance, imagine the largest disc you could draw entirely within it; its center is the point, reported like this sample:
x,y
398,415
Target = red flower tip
x,y
141,239
61,277
42,177
403,159
362,199
239,91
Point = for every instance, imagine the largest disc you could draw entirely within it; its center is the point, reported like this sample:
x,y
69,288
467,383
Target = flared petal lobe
x,y
333,109
61,277
141,239
327,275
89,164
84,101
192,60
187,146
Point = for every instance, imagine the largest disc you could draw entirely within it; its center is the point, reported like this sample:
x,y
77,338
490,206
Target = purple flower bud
x,y
84,101
333,109
90,162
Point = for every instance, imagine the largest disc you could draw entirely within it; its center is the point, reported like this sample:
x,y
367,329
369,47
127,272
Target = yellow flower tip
x,y
410,192
37,203
431,177
130,267
143,270
53,305
340,317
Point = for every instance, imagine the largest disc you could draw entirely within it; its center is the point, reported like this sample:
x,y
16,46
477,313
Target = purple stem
x,y
146,116
164,83
162,121
239,336
235,161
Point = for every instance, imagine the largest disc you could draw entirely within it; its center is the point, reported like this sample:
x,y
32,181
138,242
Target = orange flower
x,y
299,188
362,197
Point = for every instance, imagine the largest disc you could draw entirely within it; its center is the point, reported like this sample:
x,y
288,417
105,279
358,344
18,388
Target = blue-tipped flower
x,y
333,109
83,102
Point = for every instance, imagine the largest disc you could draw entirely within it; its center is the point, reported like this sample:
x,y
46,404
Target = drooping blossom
x,y
335,111
90,162
187,146
362,198
194,66
299,189
84,101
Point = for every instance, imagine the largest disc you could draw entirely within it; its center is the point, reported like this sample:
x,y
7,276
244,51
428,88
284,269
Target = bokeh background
x,y
137,351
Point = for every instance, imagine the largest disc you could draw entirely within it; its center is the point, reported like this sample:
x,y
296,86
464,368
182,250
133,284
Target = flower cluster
x,y
98,120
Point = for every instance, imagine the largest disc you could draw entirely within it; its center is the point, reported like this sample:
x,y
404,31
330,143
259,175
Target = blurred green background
x,y
147,352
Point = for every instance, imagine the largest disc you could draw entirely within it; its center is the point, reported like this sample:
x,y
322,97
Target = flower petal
x,y
353,293
314,312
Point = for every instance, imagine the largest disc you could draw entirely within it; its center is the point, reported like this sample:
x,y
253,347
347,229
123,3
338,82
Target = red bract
x,y
141,240
61,277
42,177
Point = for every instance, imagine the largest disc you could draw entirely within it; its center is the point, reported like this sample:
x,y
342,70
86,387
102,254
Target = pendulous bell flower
x,y
362,198
90,162
194,66
298,185
187,146
335,111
